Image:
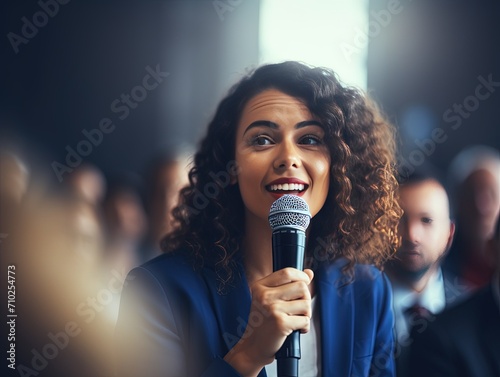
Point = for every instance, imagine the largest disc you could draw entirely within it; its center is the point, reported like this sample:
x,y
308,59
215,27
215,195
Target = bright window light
x,y
328,33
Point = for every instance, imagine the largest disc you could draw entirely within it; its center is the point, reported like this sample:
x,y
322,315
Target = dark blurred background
x,y
64,79
425,69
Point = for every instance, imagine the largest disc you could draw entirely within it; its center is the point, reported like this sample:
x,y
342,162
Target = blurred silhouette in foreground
x,y
57,254
66,297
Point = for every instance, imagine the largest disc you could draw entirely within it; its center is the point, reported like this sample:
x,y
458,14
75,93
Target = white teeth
x,y
287,187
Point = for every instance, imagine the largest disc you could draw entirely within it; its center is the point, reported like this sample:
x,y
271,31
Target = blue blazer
x,y
173,322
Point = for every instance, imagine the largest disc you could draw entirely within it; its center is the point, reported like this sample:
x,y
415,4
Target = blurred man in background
x,y
464,340
419,288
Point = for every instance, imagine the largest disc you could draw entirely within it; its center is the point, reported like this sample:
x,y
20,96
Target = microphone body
x,y
288,251
289,217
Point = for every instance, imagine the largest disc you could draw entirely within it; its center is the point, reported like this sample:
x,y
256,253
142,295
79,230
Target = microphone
x,y
289,218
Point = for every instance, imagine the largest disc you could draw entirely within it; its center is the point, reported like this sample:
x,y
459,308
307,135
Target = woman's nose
x,y
288,156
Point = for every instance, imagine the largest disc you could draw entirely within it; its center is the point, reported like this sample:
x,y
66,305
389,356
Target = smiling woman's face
x,y
280,150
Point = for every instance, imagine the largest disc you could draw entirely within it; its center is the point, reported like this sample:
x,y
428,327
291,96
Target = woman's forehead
x,y
272,97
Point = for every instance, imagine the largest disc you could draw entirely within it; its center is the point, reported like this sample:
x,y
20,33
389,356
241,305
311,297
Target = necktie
x,y
418,318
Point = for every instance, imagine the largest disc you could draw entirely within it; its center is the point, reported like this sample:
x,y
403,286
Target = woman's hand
x,y
281,303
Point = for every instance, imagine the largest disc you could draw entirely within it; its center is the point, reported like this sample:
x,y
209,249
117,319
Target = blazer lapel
x,y
231,309
336,325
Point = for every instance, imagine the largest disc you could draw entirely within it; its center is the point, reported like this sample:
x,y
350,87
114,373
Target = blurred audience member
x,y
85,188
86,232
419,288
14,181
14,177
165,177
125,224
87,182
464,340
475,181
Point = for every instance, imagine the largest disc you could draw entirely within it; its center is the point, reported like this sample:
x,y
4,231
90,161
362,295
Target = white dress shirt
x,y
432,298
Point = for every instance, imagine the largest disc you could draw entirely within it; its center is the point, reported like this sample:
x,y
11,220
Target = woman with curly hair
x,y
212,305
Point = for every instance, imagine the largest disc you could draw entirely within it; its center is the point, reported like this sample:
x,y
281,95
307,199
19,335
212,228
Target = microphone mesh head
x,y
290,211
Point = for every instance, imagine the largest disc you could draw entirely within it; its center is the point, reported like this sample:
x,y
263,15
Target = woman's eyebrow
x,y
261,123
269,124
306,123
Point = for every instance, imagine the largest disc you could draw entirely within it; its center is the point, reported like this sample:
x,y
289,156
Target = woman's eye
x,y
427,220
311,140
261,140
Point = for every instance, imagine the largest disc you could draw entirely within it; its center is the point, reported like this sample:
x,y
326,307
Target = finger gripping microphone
x,y
289,218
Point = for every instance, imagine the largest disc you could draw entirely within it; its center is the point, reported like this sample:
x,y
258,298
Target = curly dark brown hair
x,y
359,218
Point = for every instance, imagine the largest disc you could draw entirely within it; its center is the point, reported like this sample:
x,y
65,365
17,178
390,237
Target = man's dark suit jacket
x,y
454,291
463,341
174,322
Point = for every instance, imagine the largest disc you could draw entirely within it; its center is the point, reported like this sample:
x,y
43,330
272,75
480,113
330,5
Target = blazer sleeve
x,y
149,334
